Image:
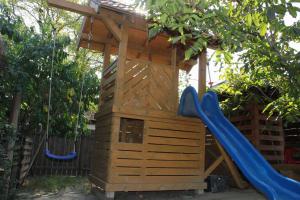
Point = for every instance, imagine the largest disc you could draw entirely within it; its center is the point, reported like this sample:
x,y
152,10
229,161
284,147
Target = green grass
x,y
56,183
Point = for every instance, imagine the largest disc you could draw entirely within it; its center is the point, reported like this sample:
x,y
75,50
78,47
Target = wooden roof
x,y
115,5
101,26
139,45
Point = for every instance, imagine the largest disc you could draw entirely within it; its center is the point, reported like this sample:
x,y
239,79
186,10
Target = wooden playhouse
x,y
140,142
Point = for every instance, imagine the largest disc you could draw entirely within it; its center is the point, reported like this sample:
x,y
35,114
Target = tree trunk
x,y
14,117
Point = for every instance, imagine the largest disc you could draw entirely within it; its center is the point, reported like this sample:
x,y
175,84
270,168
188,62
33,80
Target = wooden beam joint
x,y
88,11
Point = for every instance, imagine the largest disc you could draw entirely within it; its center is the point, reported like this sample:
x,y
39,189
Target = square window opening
x,y
131,130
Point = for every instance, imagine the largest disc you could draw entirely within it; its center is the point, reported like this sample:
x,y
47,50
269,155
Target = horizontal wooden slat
x,y
157,163
175,134
270,147
273,157
119,171
107,92
170,172
270,128
155,187
173,141
161,116
129,146
158,179
169,126
128,155
173,156
240,118
271,137
173,164
106,107
169,148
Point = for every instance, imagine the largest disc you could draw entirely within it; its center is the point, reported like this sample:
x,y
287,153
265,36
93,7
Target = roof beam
x,y
87,11
112,27
96,39
73,7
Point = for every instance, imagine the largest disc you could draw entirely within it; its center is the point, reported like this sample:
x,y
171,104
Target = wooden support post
x,y
255,124
213,166
201,90
106,58
202,73
121,67
232,168
106,62
175,81
112,27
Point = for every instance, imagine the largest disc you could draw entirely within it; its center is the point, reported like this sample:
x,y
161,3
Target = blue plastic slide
x,y
252,164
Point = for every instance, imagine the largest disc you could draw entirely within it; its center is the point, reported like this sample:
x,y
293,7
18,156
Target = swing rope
x,y
79,110
48,153
72,154
50,88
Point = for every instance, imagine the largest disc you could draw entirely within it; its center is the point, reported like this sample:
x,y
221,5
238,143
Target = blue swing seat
x,y
68,156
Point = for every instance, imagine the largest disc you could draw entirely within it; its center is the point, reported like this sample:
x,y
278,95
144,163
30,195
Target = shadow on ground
x,y
79,188
73,194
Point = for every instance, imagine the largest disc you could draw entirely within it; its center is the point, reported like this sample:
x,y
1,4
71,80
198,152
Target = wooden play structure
x,y
141,143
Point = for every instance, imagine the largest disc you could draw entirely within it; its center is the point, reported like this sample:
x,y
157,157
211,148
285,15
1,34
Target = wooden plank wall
x,y
80,166
101,147
108,83
172,154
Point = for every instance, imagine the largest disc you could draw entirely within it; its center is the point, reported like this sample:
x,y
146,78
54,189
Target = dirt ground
x,y
79,188
73,194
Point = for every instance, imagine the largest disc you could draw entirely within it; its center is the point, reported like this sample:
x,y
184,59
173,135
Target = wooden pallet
x,y
290,170
265,133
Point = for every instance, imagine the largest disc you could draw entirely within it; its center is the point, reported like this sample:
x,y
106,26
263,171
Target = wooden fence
x,y
59,145
292,135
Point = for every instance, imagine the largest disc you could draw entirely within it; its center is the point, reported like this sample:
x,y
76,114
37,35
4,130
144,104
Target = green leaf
x,y
256,19
188,54
175,39
296,31
293,11
263,29
271,14
248,20
180,29
280,9
153,31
